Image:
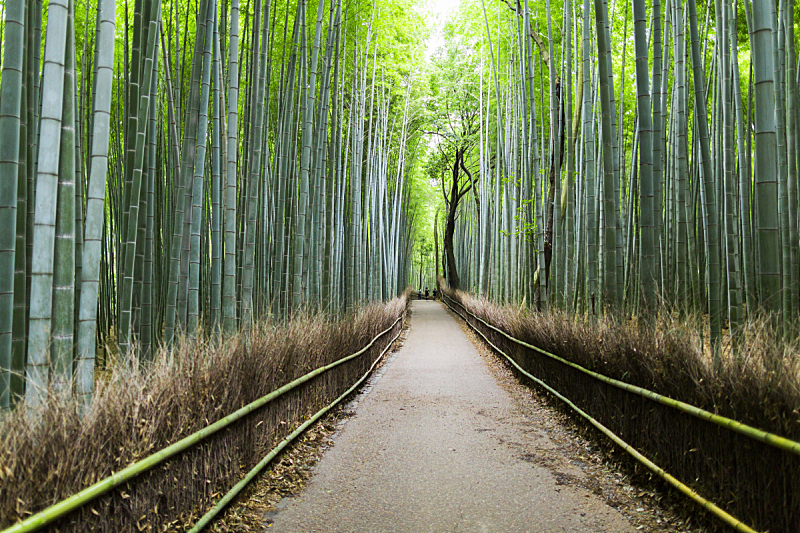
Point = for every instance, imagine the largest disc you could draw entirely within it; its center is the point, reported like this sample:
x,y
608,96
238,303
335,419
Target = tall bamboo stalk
x,y
11,92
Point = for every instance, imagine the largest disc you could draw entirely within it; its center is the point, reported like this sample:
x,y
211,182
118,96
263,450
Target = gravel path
x,y
438,445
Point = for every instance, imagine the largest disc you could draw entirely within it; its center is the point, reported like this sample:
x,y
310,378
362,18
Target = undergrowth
x,y
757,384
52,452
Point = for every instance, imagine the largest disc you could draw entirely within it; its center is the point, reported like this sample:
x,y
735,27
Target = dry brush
x,y
754,481
51,453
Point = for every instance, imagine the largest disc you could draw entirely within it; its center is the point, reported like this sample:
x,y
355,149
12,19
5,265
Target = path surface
x,y
438,446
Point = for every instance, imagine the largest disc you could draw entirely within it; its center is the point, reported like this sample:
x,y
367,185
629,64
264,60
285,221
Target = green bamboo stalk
x,y
617,282
216,187
609,230
766,172
198,182
34,142
711,215
41,297
666,111
646,155
793,143
729,63
149,274
11,92
80,185
133,238
177,290
133,74
656,124
289,110
334,161
252,170
744,177
778,41
307,99
589,180
20,317
229,279
319,152
568,190
61,356
681,204
544,273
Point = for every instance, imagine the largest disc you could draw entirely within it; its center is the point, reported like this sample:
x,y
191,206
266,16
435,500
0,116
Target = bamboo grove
x,y
634,158
188,168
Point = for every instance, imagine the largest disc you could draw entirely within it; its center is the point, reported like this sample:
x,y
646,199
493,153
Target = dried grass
x,y
758,385
50,453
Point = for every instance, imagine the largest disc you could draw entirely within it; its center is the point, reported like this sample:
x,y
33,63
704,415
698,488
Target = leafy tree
x,y
454,119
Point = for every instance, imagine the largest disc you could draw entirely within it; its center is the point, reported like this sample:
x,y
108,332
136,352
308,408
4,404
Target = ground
x,y
419,442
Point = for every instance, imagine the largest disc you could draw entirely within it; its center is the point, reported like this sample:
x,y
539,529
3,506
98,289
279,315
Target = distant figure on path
x,y
419,293
434,293
427,293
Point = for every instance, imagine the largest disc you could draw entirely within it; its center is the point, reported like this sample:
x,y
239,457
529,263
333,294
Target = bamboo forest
x,y
208,164
192,167
205,189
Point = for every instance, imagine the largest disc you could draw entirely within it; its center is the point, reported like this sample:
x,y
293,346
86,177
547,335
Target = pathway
x,y
438,446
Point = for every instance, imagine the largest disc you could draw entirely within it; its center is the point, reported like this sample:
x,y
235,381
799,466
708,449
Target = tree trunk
x,y
436,247
449,229
555,171
452,273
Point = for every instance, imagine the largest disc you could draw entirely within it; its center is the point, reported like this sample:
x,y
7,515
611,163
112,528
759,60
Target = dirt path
x,y
438,445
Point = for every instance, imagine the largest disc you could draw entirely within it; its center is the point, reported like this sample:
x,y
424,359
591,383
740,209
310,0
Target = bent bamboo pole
x,y
209,516
730,520
754,433
88,494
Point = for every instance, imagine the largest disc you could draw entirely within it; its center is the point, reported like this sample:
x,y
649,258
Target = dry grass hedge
x,y
760,387
51,453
